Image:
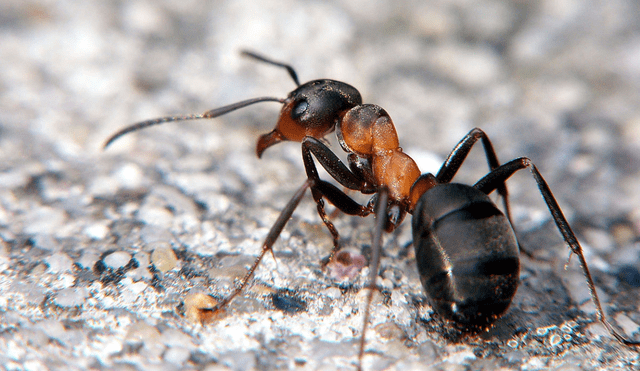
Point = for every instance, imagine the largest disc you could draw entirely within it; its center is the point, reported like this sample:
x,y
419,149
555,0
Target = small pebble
x,y
59,262
196,306
142,331
71,297
346,266
117,259
129,176
97,231
554,340
389,331
88,259
155,215
177,355
163,257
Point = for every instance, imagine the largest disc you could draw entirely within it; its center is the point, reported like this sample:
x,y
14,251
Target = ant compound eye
x,y
299,109
312,110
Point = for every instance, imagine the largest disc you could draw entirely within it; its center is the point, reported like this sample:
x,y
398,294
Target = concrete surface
x,y
99,250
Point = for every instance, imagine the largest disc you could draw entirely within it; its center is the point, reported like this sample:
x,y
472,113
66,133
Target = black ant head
x,y
313,109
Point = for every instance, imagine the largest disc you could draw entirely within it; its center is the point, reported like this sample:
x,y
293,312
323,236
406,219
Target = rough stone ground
x,y
99,250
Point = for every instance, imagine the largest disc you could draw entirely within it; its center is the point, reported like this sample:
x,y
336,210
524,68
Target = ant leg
x,y
497,177
342,202
321,189
267,245
459,154
376,247
331,163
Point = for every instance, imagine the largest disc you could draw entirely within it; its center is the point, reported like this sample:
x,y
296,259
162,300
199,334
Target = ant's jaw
x,y
267,140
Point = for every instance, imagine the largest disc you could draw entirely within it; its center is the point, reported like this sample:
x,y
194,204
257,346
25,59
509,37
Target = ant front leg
x,y
321,189
497,178
267,245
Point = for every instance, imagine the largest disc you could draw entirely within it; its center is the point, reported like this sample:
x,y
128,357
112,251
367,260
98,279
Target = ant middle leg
x,y
376,252
497,178
459,153
457,156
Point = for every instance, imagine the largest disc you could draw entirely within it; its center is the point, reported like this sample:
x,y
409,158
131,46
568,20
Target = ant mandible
x,y
466,250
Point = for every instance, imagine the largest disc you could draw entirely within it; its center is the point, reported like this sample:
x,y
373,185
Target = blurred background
x,y
100,250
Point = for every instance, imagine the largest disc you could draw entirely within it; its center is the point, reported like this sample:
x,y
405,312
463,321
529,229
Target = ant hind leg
x,y
498,176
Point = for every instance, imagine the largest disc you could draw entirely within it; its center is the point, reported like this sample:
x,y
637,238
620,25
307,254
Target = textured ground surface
x,y
99,250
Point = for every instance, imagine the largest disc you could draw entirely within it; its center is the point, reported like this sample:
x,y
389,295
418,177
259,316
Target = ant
x,y
466,249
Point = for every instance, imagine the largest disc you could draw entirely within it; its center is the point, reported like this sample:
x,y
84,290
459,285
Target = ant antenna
x,y
289,69
214,112
207,115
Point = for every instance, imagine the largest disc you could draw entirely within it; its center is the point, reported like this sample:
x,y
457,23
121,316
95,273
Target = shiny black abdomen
x,y
467,254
